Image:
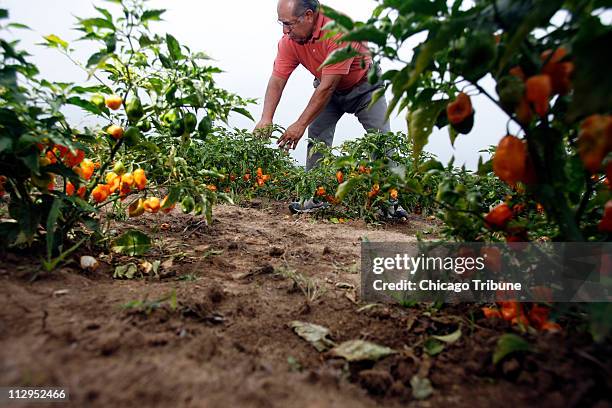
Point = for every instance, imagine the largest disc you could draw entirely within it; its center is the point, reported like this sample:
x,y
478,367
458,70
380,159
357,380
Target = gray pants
x,y
356,102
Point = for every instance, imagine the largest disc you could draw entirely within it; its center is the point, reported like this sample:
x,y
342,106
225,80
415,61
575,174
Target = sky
x,y
242,37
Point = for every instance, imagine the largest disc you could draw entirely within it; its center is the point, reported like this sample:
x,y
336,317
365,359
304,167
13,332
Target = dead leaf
x,y
314,334
421,387
368,307
167,264
449,338
344,285
360,350
125,271
148,267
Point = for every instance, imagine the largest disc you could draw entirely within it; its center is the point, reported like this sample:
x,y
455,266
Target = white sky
x,y
242,37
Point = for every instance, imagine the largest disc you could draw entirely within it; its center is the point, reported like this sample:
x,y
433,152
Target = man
x,y
340,88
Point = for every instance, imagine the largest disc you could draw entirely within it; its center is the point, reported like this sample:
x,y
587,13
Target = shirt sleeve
x,y
286,61
341,68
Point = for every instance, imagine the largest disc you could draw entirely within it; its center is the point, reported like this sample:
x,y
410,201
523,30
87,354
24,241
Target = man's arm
x,y
276,85
315,106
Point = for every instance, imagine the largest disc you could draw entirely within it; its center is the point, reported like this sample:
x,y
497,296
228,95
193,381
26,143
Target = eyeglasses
x,y
291,24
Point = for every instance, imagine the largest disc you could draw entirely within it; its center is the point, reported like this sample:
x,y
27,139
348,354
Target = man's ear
x,y
309,15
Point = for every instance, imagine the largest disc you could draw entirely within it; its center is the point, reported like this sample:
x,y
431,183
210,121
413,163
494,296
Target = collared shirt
x,y
312,54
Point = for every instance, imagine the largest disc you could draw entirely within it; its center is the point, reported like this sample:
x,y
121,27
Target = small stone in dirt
x,y
254,204
166,275
264,270
377,382
403,371
109,346
276,252
60,292
327,250
398,390
511,368
92,326
216,294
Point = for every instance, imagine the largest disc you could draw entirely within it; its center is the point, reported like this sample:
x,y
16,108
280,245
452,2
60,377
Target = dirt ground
x,y
225,341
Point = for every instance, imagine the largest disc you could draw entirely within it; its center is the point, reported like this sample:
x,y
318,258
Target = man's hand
x,y
320,98
263,128
291,137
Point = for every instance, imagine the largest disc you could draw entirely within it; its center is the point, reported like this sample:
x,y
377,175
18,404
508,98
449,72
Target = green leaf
x,y
225,198
591,79
165,61
154,15
452,134
9,230
208,208
90,89
433,347
347,186
600,324
243,112
211,173
105,13
201,55
174,47
379,93
341,19
86,105
8,78
508,344
538,15
54,41
96,58
132,243
90,23
174,196
421,123
366,33
339,55
6,144
4,13
18,25
51,264
28,216
54,214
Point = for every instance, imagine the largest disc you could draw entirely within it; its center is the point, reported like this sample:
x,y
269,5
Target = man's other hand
x,y
291,137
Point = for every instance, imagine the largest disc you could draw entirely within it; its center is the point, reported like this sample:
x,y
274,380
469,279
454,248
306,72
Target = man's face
x,y
300,27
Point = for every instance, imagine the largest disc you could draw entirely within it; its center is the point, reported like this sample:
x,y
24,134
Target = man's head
x,y
298,18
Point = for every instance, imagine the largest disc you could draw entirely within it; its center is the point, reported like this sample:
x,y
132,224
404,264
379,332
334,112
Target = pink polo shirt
x,y
312,54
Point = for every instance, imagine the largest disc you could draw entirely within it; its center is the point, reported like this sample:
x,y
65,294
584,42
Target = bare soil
x,y
226,341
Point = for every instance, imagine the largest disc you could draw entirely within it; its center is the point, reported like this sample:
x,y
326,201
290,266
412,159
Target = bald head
x,y
297,7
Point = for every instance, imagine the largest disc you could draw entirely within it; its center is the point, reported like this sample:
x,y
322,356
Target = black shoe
x,y
307,206
395,211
